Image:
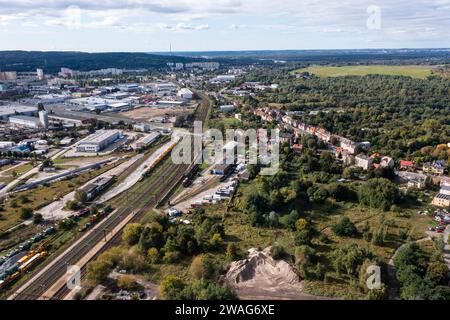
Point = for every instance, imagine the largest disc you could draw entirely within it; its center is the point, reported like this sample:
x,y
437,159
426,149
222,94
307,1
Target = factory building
x,y
25,122
185,94
99,140
147,140
142,127
16,110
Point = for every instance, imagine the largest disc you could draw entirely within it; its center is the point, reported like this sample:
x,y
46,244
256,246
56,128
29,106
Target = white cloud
x,y
401,19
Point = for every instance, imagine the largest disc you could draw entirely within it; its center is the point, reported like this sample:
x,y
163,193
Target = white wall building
x,y
25,122
98,140
185,94
363,161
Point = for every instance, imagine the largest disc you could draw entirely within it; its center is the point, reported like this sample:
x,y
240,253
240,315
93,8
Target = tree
x,y
379,193
231,251
349,258
72,205
290,219
153,255
216,242
345,228
202,267
37,218
131,233
26,213
304,233
127,282
134,261
98,271
171,288
437,273
23,199
80,196
278,252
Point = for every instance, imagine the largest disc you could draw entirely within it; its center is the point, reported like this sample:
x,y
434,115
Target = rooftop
x,y
12,109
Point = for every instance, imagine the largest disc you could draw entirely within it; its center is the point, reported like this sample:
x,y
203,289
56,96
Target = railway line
x,y
166,179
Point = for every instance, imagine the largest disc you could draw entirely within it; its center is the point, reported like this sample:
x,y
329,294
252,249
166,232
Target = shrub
x,y
345,228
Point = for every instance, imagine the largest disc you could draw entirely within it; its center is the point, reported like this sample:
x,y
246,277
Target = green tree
x,y
80,196
26,213
98,271
131,233
171,288
37,218
345,228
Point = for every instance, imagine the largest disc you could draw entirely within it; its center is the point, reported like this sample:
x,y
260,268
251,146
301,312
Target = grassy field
x,y
419,72
39,197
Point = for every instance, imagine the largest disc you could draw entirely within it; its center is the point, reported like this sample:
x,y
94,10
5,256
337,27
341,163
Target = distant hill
x,y
52,62
432,56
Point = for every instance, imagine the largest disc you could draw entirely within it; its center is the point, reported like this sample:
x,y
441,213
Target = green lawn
x,y
419,72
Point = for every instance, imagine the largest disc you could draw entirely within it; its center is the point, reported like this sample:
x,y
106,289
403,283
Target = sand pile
x,y
260,276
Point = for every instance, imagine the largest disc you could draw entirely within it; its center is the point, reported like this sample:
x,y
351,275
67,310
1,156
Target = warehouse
x,y
147,140
11,110
99,140
25,121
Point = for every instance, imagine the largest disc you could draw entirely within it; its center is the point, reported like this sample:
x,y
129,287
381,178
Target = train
x,y
190,176
22,266
158,160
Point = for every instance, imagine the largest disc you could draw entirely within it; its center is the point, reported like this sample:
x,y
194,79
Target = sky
x,y
217,25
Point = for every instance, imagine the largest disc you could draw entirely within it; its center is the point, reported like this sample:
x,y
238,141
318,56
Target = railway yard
x,y
36,273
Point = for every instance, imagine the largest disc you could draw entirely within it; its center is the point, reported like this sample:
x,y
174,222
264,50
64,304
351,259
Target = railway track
x,y
166,179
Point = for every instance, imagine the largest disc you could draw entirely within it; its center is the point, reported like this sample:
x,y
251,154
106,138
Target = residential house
x,y
364,162
437,167
407,165
442,199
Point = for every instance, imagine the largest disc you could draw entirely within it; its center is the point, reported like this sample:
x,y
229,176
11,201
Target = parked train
x,y
158,160
22,266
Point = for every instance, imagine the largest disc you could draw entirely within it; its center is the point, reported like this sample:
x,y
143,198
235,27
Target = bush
x,y
171,257
278,252
37,218
127,282
73,205
171,288
345,228
131,233
98,271
26,213
202,267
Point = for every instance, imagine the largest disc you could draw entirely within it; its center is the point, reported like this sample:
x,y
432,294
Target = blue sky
x,y
203,25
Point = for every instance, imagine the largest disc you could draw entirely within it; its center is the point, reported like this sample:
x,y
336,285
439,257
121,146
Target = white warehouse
x,y
98,140
185,94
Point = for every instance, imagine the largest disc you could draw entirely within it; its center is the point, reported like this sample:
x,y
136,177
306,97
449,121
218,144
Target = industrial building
x,y
142,127
147,140
185,94
7,111
25,121
99,140
72,120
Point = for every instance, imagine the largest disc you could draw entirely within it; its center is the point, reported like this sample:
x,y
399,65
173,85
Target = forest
x,y
400,116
